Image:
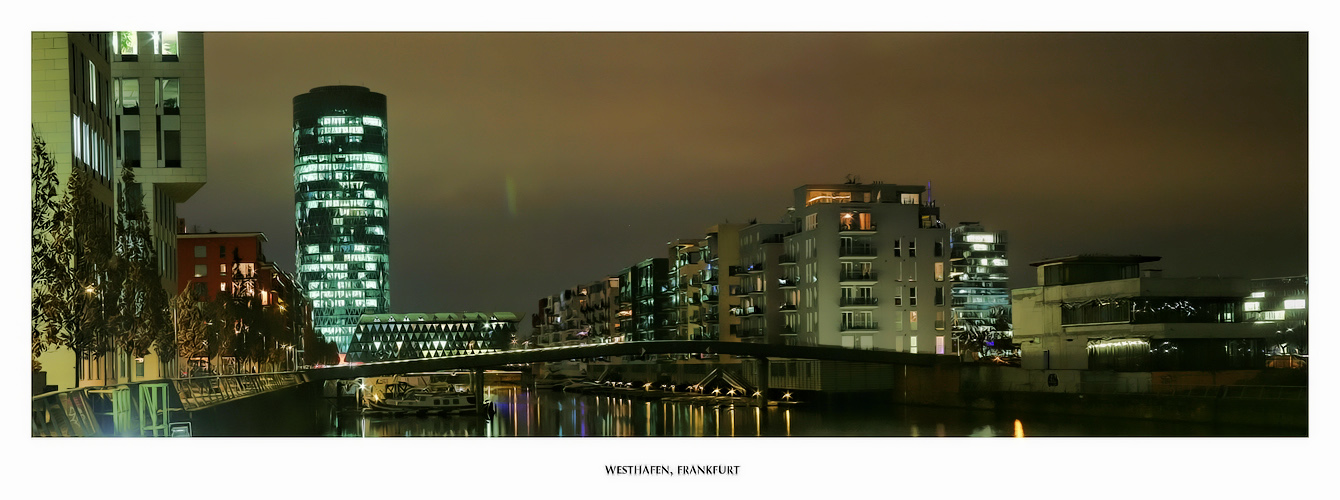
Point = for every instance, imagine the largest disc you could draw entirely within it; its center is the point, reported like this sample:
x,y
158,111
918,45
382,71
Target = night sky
x,y
525,163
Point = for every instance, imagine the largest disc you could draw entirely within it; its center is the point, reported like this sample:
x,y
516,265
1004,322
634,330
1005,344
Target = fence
x,y
1266,392
66,413
199,392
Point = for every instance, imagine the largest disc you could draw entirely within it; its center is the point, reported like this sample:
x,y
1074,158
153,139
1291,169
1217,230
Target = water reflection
x,y
526,412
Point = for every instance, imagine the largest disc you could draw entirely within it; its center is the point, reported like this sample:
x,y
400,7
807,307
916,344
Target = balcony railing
x,y
858,276
754,268
858,301
857,251
866,325
751,332
854,227
787,307
734,270
786,258
786,283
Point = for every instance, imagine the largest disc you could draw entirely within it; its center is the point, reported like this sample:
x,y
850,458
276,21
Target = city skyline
x,y
525,162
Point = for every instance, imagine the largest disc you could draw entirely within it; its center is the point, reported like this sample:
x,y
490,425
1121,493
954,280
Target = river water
x,y
525,412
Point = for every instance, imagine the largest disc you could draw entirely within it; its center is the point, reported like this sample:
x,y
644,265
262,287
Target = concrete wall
x,y
291,411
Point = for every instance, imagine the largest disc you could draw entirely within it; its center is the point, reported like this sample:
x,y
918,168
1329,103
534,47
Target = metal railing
x,y
867,325
67,413
858,251
858,276
858,301
199,392
1254,392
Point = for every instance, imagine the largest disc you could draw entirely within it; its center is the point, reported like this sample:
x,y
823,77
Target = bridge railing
x,y
199,392
68,413
1268,392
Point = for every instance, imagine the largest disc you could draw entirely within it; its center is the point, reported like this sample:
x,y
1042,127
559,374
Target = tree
x,y
49,271
140,317
190,324
76,269
222,326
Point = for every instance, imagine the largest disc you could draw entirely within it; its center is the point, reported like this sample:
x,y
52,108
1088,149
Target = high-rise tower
x,y
340,203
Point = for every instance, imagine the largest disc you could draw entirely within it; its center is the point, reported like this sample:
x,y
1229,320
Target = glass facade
x,y
341,205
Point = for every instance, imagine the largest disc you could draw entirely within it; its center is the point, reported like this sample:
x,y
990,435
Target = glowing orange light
x,y
1018,428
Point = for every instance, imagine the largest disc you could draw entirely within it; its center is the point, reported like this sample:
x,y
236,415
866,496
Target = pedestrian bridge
x,y
548,354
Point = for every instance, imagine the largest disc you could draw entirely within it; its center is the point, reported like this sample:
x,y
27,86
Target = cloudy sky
x,y
1192,147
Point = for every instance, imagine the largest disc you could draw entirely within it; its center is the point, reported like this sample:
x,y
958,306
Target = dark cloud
x,y
1189,146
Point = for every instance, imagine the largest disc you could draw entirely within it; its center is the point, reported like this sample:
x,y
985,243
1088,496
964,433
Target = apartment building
x,y
872,265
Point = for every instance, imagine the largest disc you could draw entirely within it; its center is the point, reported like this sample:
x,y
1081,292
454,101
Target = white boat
x,y
422,401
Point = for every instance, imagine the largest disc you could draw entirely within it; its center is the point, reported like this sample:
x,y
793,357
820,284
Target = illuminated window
x,y
1251,306
1295,304
200,270
1258,295
223,287
165,43
127,44
223,268
980,238
92,83
811,222
911,199
912,340
939,271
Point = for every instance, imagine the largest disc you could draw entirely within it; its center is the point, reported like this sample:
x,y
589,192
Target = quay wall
x,y
290,411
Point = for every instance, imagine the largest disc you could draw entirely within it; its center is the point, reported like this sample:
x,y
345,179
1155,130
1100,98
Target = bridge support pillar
x,y
764,372
477,385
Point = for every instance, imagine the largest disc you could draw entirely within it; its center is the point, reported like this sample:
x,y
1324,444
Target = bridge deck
x,y
518,356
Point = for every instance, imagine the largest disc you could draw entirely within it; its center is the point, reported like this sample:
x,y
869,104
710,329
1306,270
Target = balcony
x,y
751,332
786,283
858,301
711,317
754,268
858,251
737,290
855,228
869,276
788,307
734,270
786,259
859,326
752,310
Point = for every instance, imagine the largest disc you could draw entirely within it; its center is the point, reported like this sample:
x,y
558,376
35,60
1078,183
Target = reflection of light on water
x,y
983,431
915,432
788,421
940,429
758,421
1018,428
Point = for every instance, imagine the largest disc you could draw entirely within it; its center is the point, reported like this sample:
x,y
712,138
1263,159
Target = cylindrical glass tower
x,y
340,203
